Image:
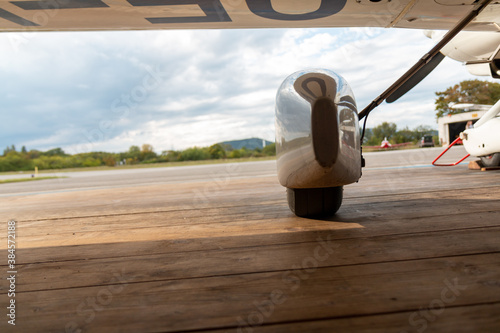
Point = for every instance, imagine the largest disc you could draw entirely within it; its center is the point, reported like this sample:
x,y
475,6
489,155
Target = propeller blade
x,y
479,6
416,78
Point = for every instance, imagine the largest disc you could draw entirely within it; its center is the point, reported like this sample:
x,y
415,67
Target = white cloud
x,y
183,104
95,90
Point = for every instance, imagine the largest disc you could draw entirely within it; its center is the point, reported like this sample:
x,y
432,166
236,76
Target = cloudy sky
x,y
106,91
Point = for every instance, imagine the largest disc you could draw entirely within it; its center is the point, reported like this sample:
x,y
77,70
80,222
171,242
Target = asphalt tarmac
x,y
116,178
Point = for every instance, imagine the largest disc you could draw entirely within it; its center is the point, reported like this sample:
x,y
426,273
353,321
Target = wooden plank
x,y
324,250
402,206
231,192
155,258
464,319
412,180
150,198
399,204
191,236
490,168
304,294
284,229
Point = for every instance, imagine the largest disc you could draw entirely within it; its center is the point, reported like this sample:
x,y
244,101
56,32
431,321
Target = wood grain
x,y
409,248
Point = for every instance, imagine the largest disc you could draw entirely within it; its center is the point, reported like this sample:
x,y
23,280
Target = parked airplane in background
x,y
317,121
480,52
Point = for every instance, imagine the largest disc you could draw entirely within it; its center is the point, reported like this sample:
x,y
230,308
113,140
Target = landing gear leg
x,y
492,160
311,202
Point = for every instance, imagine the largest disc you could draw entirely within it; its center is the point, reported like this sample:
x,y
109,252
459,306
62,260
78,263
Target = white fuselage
x,y
484,138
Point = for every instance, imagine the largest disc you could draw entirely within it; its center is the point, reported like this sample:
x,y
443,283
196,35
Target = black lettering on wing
x,y
264,8
213,9
16,19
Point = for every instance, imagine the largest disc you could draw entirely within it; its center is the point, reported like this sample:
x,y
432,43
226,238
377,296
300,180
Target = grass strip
x,y
18,180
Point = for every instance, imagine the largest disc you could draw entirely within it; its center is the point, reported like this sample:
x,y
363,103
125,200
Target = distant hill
x,y
249,144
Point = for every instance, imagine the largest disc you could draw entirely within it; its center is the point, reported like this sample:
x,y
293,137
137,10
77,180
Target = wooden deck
x,y
411,250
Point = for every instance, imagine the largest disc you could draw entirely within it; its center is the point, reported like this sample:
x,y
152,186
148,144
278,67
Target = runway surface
x,y
85,180
214,248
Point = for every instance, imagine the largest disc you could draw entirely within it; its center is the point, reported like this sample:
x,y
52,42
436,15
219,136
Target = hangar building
x,y
450,126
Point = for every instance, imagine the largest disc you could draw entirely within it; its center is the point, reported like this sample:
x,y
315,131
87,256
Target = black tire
x,y
492,160
314,202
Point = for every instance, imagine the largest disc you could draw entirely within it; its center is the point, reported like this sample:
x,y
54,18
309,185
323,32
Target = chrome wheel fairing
x,y
317,131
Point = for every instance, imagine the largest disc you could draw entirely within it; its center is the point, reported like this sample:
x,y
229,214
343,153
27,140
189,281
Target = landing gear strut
x,y
490,161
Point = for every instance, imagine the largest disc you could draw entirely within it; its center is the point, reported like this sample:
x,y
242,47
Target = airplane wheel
x,y
492,160
310,202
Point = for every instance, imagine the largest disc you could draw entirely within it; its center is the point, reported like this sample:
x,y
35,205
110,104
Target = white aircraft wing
x,y
88,15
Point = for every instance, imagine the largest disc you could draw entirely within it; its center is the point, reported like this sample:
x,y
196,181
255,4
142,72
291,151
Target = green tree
x,y
245,152
235,154
147,152
171,155
468,91
109,160
269,150
216,151
32,154
53,162
195,154
8,150
91,162
404,135
133,155
368,134
384,130
55,152
422,130
15,161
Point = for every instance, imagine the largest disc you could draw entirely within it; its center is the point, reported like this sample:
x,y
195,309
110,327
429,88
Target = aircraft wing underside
x,y
87,15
